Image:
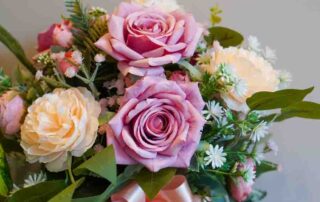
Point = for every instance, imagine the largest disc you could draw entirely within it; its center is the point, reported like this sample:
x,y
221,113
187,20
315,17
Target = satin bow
x,y
177,190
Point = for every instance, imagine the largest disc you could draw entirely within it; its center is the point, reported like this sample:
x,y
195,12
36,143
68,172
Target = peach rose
x,y
254,73
58,123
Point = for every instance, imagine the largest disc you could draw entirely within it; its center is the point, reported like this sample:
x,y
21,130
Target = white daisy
x,y
285,79
214,110
254,44
14,189
216,156
249,173
270,54
240,88
260,131
70,72
258,157
99,58
34,179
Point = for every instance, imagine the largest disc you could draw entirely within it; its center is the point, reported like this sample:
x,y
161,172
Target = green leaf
x,y
278,99
66,194
193,71
256,195
13,45
152,183
5,179
226,37
41,192
308,110
106,117
102,164
264,167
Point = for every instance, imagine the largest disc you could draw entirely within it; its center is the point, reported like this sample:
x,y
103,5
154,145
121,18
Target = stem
x,y
89,78
69,162
219,172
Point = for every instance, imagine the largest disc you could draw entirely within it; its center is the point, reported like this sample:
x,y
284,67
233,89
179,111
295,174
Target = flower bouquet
x,y
142,104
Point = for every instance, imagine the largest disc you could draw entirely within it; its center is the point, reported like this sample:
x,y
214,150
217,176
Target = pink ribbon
x,y
177,190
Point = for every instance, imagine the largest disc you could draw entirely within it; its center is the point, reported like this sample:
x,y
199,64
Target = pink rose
x,y
143,39
12,110
158,124
240,190
57,34
180,76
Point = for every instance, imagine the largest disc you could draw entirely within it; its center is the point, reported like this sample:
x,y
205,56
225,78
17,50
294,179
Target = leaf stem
x,y
69,164
219,172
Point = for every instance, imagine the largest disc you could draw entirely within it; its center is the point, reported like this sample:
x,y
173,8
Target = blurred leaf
x,y
106,117
41,192
5,179
10,145
256,195
226,37
215,11
264,167
308,110
5,81
152,183
103,164
278,99
194,72
13,45
66,194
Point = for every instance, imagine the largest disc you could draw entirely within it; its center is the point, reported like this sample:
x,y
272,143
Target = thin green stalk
x,y
219,172
69,164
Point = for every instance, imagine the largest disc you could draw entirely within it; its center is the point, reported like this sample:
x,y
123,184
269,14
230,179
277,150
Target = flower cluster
x,y
151,92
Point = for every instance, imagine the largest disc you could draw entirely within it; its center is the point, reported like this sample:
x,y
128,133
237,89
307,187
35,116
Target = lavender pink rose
x,y
158,124
57,34
143,39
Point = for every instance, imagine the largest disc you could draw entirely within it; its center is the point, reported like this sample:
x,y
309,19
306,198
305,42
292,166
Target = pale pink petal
x,y
104,44
193,44
122,48
125,9
126,68
193,94
115,26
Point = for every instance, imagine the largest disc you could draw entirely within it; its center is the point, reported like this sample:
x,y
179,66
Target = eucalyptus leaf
x,y
278,99
226,37
152,183
106,117
308,110
66,194
41,192
102,164
264,167
13,45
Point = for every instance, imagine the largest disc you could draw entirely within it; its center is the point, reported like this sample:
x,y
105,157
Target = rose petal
x,y
125,69
104,44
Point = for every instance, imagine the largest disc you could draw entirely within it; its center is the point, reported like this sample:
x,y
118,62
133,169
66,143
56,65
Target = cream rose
x,y
58,123
165,5
254,74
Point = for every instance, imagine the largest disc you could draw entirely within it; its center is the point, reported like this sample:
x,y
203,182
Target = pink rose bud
x,y
166,37
57,34
180,76
69,64
239,189
12,110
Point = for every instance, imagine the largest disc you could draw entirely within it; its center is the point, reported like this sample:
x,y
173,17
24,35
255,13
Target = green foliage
x,y
215,11
67,194
308,110
256,196
5,82
278,99
41,192
5,179
264,167
226,37
106,117
102,164
152,183
13,45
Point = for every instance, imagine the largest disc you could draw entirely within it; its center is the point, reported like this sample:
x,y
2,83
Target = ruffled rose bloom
x,y
143,39
58,123
239,189
57,34
158,124
254,73
165,5
12,110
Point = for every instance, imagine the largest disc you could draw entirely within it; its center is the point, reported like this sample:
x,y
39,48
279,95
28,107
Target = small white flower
x,y
249,173
258,157
216,156
272,146
260,131
240,88
58,56
165,5
99,58
94,9
70,72
77,57
14,189
270,55
34,179
254,44
214,110
39,75
285,79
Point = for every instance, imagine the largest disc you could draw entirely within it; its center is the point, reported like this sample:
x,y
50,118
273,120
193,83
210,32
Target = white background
x,y
289,26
